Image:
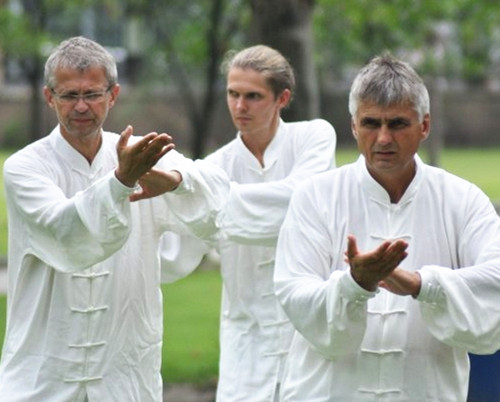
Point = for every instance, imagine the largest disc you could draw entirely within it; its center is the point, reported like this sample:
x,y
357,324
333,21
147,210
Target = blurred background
x,y
169,53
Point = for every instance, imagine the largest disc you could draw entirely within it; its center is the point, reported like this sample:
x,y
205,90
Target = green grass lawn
x,y
481,166
191,305
191,326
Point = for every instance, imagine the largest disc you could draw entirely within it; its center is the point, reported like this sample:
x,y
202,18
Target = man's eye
x,y
370,123
68,97
398,123
93,97
253,96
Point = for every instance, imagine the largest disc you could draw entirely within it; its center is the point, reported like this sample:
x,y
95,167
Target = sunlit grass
x,y
191,327
481,166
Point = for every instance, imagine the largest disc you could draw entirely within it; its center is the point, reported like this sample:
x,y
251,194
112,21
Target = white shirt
x,y
254,332
355,345
84,303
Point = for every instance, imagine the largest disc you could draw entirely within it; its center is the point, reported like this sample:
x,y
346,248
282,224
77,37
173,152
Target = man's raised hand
x,y
136,159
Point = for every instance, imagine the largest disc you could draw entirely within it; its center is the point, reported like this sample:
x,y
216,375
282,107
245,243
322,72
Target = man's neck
x,y
257,142
88,146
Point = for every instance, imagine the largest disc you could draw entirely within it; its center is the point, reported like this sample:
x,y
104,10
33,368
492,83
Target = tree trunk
x,y
33,66
286,25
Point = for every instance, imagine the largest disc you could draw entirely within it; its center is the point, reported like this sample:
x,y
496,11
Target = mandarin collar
x,y
271,153
75,159
377,192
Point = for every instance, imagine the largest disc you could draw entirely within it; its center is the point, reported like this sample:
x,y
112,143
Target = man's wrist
x,y
124,181
177,179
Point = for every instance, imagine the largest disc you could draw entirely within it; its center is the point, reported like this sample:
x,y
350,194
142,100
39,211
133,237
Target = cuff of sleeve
x,y
118,189
430,290
352,291
186,185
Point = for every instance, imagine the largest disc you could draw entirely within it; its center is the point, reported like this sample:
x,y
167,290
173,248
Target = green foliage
x,y
346,33
3,210
3,315
350,33
13,137
18,36
184,33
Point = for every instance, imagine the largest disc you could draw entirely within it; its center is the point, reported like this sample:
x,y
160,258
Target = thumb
x,y
352,247
124,136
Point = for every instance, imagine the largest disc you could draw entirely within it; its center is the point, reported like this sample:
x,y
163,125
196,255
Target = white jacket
x,y
84,303
254,332
355,345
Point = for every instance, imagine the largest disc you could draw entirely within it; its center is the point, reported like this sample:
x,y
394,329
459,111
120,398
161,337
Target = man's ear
x,y
49,96
115,90
426,126
353,129
284,98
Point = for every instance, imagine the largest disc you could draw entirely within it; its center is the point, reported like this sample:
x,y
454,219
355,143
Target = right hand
x,y
137,159
368,269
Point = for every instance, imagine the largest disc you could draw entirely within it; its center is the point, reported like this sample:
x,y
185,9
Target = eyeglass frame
x,y
72,99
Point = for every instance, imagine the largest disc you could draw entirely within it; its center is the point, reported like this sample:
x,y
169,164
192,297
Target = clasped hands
x,y
380,267
136,161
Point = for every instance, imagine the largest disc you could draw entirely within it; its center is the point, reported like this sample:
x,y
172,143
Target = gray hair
x,y
265,60
80,53
387,81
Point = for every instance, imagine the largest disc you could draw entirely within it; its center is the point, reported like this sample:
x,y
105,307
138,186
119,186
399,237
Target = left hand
x,y
156,182
402,282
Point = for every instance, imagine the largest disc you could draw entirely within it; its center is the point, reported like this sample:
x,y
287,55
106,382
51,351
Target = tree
x,y
286,25
325,41
348,36
25,36
21,37
193,38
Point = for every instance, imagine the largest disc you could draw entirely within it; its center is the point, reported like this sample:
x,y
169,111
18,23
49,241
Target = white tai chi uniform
x,y
85,307
356,345
254,332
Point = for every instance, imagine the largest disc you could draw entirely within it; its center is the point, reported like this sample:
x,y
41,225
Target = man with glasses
x,y
72,99
84,320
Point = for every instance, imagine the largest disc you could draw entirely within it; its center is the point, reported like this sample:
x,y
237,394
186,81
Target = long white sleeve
x,y
195,206
73,233
328,308
180,255
200,197
461,307
255,211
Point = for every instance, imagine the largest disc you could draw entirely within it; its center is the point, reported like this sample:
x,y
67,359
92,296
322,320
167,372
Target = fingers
x,y
136,159
368,269
396,252
352,247
124,136
154,146
138,195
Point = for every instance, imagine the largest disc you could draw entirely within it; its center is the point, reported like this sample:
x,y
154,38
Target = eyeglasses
x,y
89,98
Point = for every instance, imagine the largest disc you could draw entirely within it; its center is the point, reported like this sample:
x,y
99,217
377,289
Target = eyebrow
x,y
75,92
394,120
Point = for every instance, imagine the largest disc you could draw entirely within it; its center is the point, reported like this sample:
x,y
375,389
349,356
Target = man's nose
x,y
241,103
384,135
81,105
